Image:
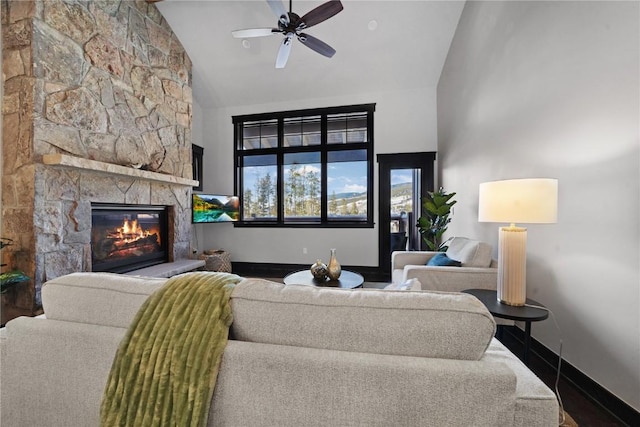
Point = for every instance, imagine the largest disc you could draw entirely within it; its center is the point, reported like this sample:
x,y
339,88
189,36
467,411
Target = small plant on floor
x,y
10,278
436,208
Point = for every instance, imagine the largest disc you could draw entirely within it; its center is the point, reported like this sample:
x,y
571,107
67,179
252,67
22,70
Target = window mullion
x,y
324,200
280,183
238,165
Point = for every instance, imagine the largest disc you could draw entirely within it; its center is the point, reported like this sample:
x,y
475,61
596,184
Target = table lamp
x,y
532,201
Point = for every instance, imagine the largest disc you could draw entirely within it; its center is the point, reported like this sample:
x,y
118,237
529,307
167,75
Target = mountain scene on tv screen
x,y
215,208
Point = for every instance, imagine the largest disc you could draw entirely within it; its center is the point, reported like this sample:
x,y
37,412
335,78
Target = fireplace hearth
x,y
128,237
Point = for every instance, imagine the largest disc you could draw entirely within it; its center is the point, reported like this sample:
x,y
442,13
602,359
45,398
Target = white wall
x,y
197,125
551,89
403,122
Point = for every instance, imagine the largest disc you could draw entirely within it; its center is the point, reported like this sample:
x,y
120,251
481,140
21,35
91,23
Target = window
x,y
196,165
305,168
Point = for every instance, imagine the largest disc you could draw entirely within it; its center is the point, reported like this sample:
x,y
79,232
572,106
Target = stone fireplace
x,y
96,110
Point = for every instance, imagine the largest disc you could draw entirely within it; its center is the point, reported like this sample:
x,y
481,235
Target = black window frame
x,y
324,147
197,155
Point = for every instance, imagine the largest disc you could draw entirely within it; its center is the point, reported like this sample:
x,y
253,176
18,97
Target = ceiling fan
x,y
290,24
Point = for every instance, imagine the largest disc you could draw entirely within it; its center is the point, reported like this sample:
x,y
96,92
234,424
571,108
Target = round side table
x,y
518,313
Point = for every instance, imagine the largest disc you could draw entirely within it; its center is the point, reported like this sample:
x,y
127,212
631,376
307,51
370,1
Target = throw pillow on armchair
x,y
442,260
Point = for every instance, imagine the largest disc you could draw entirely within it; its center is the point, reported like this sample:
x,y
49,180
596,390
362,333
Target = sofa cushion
x,y
471,253
423,324
442,260
97,298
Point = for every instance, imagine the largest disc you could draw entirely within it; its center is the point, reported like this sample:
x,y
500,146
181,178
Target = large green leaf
x,y
446,197
430,206
443,210
430,245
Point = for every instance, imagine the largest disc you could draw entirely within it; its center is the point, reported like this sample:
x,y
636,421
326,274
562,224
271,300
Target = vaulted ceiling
x,y
381,46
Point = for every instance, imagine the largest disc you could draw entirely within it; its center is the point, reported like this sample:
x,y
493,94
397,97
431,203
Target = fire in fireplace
x,y
127,237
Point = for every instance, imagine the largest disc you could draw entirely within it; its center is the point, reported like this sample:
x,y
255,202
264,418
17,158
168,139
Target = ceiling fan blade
x,y
283,52
254,32
278,8
316,44
320,13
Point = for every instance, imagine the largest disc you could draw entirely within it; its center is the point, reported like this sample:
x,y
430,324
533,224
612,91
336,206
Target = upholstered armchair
x,y
476,267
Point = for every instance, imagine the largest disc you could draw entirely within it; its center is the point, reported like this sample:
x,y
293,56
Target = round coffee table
x,y
347,280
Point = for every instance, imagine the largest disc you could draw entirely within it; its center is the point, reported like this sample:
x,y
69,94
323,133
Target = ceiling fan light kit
x,y
291,25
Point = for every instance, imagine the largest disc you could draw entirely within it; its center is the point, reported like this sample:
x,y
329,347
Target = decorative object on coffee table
x,y
319,270
217,260
334,268
347,280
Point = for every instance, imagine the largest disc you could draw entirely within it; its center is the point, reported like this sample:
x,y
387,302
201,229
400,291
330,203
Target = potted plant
x,y
11,278
436,208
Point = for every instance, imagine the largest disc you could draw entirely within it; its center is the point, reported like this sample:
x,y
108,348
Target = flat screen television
x,y
214,208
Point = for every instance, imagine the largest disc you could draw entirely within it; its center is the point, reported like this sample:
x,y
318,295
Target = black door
x,y
404,179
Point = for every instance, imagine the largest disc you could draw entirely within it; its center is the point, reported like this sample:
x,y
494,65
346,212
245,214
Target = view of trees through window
x,y
305,169
302,193
260,200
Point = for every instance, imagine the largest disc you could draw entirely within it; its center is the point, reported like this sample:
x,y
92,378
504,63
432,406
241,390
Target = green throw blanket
x,y
166,367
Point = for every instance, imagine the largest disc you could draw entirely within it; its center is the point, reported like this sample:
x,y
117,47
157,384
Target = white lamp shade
x,y
524,201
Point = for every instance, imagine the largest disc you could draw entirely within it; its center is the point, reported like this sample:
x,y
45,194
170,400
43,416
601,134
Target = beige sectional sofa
x,y
298,356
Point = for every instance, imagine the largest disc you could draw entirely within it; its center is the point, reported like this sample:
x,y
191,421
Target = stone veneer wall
x,y
105,80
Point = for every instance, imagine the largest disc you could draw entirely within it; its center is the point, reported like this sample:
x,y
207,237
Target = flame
x,y
131,231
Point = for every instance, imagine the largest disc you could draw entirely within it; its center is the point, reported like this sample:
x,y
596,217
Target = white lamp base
x,y
512,265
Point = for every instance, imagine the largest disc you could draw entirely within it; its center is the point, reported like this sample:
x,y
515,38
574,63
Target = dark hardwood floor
x,y
585,411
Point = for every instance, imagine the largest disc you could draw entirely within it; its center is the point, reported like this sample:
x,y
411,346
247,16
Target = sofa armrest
x,y
452,279
106,299
67,364
400,259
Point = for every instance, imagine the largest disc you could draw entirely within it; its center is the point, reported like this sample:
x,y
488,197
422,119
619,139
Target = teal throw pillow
x,y
442,260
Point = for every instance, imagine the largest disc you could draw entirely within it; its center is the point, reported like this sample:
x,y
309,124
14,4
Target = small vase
x,y
319,270
334,268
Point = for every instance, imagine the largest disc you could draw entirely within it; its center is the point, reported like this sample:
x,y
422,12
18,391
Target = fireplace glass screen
x,y
127,237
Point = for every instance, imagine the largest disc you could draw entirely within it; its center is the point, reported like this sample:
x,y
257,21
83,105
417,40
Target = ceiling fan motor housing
x,y
294,24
